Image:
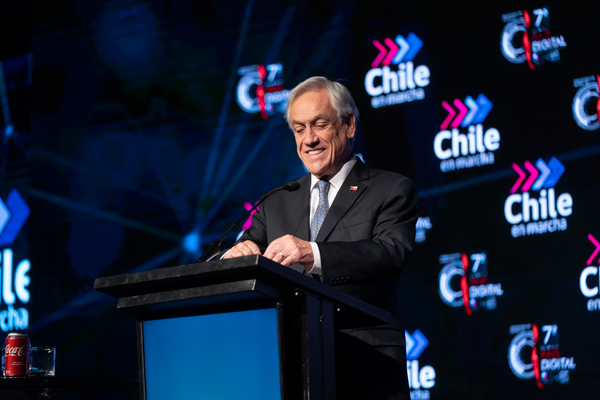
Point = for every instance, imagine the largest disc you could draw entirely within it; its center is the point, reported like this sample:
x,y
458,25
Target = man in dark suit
x,y
351,226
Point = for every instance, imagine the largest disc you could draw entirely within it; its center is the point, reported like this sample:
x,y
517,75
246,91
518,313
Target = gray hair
x,y
339,96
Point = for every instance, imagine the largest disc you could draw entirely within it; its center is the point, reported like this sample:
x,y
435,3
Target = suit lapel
x,y
300,205
344,199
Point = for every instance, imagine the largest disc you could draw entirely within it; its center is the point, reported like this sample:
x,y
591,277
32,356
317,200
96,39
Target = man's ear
x,y
350,120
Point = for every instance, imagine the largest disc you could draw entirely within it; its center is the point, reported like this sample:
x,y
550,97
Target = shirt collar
x,y
338,179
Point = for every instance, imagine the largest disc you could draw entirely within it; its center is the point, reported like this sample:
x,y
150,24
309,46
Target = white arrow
x,y
404,46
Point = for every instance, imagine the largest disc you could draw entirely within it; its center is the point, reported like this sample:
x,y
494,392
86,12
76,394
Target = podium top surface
x,y
230,271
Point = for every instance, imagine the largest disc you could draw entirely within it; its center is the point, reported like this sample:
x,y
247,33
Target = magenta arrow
x,y
534,174
462,112
522,176
393,51
595,253
451,114
382,51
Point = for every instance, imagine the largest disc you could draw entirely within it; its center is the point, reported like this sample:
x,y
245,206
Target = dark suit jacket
x,y
366,237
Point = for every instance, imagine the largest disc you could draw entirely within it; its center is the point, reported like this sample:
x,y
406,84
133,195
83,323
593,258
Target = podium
x,y
244,328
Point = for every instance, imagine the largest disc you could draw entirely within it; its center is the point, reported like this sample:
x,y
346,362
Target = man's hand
x,y
288,250
246,248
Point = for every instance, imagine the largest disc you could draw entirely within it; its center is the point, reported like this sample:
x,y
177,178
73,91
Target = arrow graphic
x,y
382,52
393,50
18,214
557,170
534,174
542,166
415,45
598,102
485,106
522,176
404,46
473,108
419,343
451,114
410,342
462,111
4,215
595,253
400,49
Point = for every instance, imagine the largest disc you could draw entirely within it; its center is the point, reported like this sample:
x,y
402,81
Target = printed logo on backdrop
x,y
474,148
538,208
586,105
422,226
394,78
420,380
260,89
535,353
463,282
13,214
589,280
526,37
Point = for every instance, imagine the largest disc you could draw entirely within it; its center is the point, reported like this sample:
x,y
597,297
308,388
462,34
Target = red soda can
x,y
16,354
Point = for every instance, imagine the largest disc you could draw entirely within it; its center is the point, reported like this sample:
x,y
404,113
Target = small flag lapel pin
x,y
353,188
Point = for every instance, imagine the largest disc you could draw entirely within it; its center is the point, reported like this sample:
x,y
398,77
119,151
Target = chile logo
x,y
535,353
586,110
536,44
474,148
393,77
463,281
533,214
589,282
260,89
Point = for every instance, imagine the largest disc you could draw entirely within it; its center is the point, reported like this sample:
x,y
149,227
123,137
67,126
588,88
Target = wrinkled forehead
x,y
312,105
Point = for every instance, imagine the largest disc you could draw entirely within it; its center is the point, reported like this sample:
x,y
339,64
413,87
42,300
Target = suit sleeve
x,y
257,231
386,252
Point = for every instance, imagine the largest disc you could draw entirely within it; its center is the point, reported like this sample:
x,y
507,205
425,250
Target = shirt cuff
x,y
316,267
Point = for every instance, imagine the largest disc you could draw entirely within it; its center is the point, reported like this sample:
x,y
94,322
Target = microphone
x,y
215,247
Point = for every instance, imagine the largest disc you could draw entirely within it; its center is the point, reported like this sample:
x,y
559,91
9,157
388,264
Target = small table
x,y
52,386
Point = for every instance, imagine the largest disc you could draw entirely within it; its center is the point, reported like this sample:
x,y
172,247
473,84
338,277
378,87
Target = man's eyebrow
x,y
312,121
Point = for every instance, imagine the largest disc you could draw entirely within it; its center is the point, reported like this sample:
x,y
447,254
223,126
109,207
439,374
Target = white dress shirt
x,y
335,184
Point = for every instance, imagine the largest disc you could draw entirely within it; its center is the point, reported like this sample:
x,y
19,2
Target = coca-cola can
x,y
16,354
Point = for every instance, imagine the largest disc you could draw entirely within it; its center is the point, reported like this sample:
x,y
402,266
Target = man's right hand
x,y
246,248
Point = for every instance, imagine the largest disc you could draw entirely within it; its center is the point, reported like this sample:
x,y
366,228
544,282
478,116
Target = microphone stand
x,y
215,247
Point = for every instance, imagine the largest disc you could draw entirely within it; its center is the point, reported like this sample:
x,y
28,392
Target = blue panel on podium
x,y
220,356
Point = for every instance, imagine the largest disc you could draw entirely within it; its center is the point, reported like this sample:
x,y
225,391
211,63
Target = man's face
x,y
323,144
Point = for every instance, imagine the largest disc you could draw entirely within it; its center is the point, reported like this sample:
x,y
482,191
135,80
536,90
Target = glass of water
x,y
42,361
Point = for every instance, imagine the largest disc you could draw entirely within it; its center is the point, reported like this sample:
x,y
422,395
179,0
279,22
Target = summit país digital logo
x,y
463,282
526,37
535,353
260,89
586,104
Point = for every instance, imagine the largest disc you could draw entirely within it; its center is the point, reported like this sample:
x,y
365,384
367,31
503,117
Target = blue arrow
x,y
485,106
19,213
557,170
415,45
4,215
419,346
404,46
543,167
410,342
472,104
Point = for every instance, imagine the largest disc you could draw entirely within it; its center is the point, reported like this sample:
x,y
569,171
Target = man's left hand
x,y
288,250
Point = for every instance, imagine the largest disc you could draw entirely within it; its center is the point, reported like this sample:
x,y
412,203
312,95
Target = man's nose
x,y
310,138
